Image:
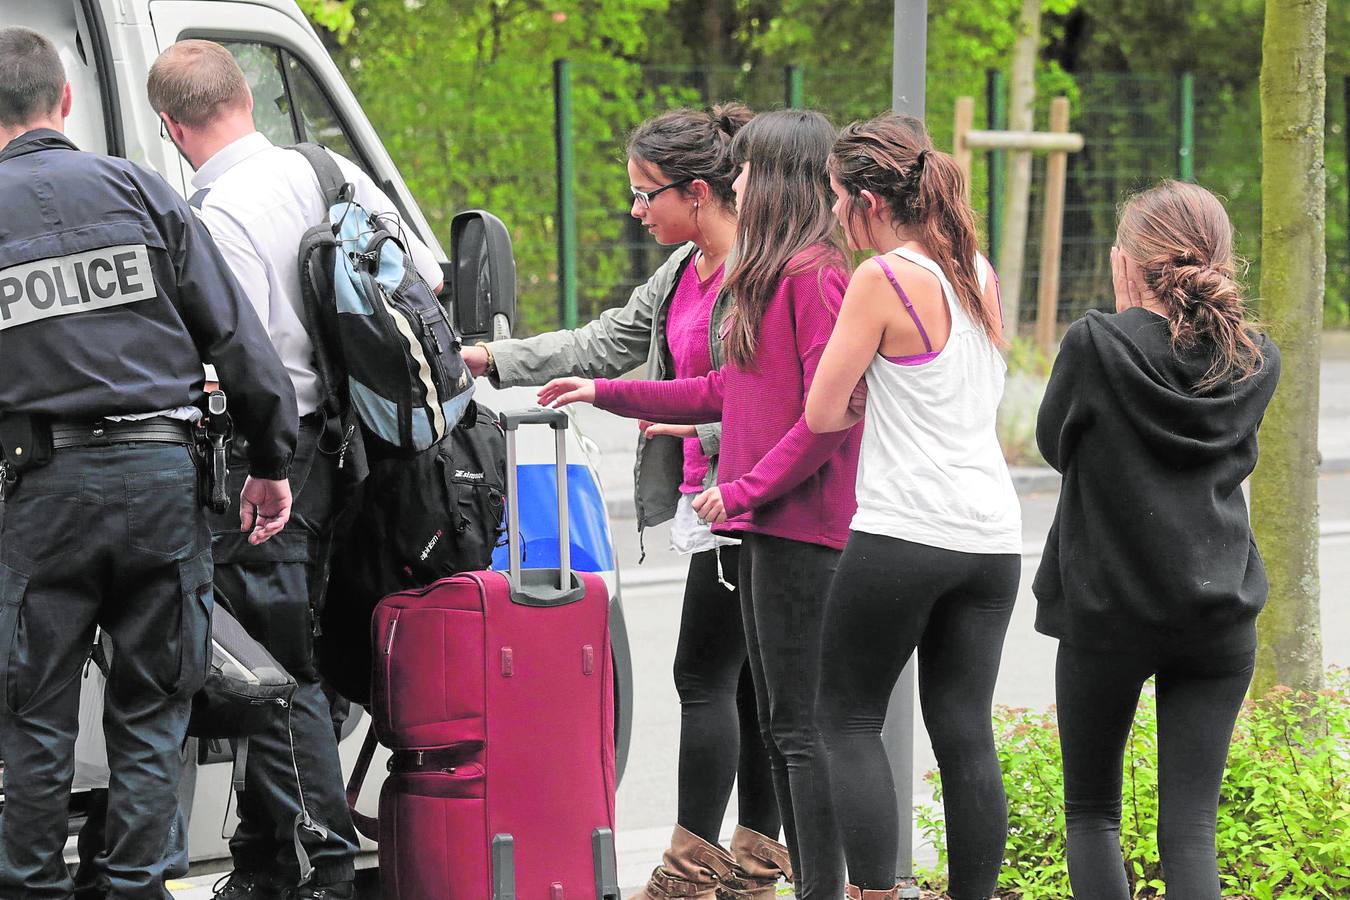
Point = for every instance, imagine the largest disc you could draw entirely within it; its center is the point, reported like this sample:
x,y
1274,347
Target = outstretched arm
x,y
684,401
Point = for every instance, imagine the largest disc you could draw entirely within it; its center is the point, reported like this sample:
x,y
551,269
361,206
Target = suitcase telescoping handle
x,y
525,588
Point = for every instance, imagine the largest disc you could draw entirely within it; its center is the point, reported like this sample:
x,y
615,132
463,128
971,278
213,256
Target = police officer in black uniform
x,y
112,295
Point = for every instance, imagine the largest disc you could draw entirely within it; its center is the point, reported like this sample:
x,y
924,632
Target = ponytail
x,y
949,233
893,157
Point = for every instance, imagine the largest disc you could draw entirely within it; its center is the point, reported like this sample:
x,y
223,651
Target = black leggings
x,y
1198,701
719,725
889,597
783,586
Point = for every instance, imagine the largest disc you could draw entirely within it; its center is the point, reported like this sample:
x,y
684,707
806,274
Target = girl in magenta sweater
x,y
786,492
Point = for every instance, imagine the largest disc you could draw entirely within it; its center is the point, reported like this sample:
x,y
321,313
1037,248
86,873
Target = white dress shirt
x,y
262,200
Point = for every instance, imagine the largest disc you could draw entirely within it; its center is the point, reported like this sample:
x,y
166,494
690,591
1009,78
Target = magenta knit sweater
x,y
776,476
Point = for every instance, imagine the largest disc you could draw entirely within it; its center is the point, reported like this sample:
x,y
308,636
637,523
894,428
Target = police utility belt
x,y
28,442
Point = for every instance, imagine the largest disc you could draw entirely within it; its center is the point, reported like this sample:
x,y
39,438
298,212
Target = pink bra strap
x,y
904,298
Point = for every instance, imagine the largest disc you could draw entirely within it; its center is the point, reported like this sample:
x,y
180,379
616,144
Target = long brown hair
x,y
893,157
785,226
1180,237
693,143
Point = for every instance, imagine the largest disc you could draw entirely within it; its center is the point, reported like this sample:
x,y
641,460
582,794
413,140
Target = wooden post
x,y
1058,143
1022,98
1052,232
965,120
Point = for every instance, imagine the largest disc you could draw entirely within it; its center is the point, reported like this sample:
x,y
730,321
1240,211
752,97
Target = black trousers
x,y
719,722
111,537
783,585
888,598
293,780
1096,694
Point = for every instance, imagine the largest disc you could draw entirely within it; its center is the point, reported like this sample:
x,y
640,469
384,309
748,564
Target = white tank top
x,y
931,470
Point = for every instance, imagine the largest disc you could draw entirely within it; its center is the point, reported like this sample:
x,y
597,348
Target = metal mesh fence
x,y
1133,126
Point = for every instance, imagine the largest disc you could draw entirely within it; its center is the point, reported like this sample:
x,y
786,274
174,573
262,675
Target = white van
x,y
107,47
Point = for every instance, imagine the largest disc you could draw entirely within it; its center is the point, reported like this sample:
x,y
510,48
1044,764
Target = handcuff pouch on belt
x,y
213,446
26,440
25,443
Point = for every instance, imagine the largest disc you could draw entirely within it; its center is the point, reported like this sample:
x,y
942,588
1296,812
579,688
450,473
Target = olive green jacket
x,y
616,343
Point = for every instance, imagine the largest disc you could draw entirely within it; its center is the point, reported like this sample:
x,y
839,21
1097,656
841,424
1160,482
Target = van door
x,y
298,93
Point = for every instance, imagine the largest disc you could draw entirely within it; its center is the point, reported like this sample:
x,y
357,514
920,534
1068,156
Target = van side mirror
x,y
481,281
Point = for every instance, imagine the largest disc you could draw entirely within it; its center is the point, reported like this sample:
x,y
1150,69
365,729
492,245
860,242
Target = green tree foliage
x,y
334,16
461,93
1220,40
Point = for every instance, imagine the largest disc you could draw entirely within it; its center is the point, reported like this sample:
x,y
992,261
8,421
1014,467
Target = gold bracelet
x,y
491,360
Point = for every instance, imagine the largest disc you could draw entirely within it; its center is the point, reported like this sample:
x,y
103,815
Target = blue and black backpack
x,y
385,350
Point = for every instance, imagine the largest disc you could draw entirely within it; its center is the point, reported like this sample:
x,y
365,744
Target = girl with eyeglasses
x,y
681,170
934,552
787,493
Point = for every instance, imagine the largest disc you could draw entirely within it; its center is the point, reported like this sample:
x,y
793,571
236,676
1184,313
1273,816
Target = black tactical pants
x,y
109,536
273,589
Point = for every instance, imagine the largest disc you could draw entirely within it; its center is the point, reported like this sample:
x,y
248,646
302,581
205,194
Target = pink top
x,y
687,337
776,476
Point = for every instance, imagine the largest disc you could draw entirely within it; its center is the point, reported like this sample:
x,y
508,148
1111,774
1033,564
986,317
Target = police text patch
x,y
62,285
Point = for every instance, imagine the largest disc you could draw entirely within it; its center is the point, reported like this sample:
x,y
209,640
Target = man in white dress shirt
x,y
258,200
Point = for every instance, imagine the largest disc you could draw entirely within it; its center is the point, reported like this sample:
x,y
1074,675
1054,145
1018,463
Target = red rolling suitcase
x,y
495,693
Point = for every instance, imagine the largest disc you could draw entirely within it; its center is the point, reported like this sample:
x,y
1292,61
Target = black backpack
x,y
412,521
245,685
384,347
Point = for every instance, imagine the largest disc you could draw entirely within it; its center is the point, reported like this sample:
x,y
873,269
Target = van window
x,y
271,107
289,105
318,119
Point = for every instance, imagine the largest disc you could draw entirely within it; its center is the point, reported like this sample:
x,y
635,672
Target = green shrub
x,y
1283,812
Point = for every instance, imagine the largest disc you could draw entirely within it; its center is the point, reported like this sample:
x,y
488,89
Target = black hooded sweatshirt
x,y
1151,548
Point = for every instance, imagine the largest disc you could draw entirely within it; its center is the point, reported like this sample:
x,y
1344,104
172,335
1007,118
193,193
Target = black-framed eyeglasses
x,y
646,197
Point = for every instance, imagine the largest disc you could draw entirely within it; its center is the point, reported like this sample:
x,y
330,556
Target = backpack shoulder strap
x,y
335,187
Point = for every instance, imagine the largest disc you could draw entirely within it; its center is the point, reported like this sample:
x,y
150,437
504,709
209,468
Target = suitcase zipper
x,y
450,770
389,644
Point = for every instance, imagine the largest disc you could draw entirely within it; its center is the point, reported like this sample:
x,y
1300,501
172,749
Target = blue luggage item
x,y
384,346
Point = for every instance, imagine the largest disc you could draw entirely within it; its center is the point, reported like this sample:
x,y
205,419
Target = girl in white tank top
x,y
931,469
934,552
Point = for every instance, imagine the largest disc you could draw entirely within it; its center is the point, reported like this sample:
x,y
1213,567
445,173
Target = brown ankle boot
x,y
690,870
856,893
760,862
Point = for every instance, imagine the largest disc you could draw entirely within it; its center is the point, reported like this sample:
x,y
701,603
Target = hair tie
x,y
916,169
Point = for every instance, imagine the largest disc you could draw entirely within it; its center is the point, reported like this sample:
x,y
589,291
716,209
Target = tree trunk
x,y
1293,274
1012,252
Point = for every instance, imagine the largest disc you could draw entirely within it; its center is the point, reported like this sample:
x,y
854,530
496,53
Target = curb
x,y
1027,480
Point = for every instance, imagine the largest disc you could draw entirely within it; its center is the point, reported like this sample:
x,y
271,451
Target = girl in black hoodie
x,y
1150,568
